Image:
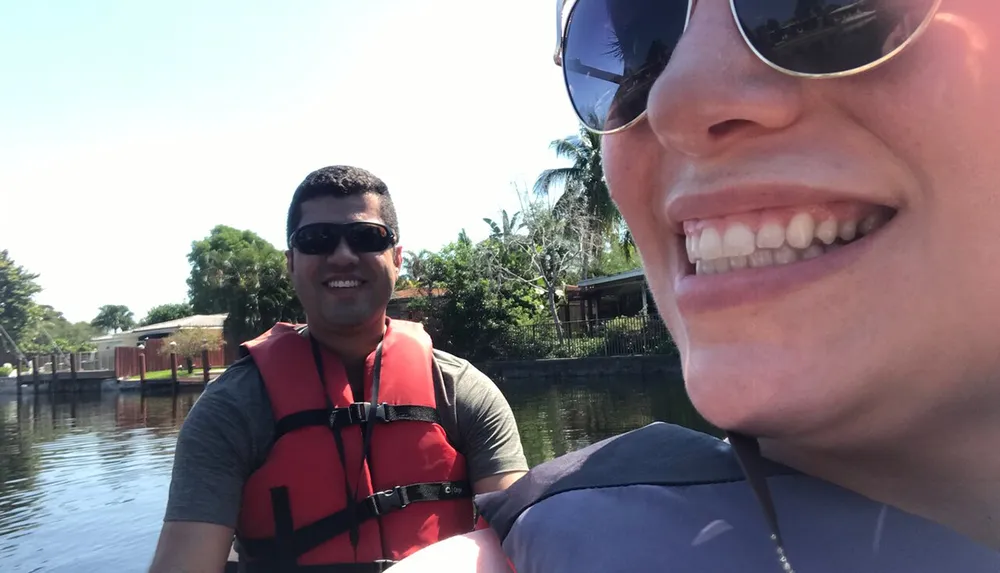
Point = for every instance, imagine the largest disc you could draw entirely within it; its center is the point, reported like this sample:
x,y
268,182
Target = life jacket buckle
x,y
359,412
384,502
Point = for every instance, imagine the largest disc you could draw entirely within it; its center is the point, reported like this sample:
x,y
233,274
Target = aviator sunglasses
x,y
324,238
612,51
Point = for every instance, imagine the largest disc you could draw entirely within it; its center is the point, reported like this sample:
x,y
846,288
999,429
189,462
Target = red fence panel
x,y
127,359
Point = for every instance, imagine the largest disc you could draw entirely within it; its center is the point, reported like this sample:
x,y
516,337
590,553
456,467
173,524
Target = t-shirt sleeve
x,y
486,424
215,452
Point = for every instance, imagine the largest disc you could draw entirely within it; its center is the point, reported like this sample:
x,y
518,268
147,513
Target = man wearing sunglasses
x,y
346,444
813,189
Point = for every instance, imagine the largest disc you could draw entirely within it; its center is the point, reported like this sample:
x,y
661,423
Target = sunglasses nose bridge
x,y
342,252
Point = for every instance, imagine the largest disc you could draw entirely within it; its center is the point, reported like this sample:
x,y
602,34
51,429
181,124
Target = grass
x,y
181,373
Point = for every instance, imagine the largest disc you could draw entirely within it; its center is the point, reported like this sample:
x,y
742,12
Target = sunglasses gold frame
x,y
564,17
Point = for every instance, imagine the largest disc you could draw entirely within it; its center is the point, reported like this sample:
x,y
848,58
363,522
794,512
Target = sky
x,y
129,129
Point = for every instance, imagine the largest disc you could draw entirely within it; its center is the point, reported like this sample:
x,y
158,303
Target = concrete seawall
x,y
8,386
553,368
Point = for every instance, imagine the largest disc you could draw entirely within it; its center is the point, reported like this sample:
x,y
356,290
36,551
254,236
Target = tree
x,y
114,318
478,315
555,248
583,186
508,227
51,331
240,273
17,291
418,271
188,343
167,312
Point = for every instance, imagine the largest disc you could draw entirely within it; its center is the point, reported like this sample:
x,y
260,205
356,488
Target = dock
x,y
60,374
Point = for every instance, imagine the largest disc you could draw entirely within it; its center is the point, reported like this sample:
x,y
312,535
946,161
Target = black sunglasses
x,y
324,238
612,51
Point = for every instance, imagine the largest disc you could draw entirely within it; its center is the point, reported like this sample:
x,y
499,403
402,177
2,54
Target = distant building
x,y
106,344
399,306
165,329
624,294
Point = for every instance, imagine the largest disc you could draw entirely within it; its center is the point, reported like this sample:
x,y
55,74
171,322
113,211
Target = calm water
x,y
83,483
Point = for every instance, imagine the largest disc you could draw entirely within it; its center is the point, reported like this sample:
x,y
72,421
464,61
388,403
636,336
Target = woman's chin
x,y
764,397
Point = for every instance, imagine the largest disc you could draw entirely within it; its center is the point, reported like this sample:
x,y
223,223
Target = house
x,y
399,304
131,338
624,294
165,329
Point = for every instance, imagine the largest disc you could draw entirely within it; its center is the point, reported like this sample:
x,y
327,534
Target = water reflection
x,y
562,416
83,482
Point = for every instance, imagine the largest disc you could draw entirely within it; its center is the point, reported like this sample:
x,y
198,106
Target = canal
x,y
83,482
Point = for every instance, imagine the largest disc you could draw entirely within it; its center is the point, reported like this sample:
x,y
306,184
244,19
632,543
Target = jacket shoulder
x,y
657,454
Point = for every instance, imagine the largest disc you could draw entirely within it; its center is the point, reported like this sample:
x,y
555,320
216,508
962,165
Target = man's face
x,y
344,289
898,323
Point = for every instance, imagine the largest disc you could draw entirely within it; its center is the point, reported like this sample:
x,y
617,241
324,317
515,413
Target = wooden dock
x,y
37,381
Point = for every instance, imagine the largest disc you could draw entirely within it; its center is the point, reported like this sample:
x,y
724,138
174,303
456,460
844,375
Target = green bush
x,y
621,336
5,370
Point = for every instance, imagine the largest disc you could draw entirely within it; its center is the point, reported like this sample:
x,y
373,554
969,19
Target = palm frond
x,y
493,226
571,148
551,178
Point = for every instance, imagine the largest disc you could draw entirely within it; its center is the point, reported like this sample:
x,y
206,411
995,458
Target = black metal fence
x,y
621,336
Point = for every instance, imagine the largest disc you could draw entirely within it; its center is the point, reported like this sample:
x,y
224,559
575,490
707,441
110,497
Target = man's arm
x,y
492,444
214,456
192,547
497,482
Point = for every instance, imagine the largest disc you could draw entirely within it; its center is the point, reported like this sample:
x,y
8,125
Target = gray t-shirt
x,y
229,432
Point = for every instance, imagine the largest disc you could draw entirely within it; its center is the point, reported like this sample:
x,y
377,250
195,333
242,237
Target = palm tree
x,y
418,270
583,184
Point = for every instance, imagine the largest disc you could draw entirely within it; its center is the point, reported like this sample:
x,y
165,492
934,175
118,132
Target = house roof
x,y
196,321
117,335
626,276
417,293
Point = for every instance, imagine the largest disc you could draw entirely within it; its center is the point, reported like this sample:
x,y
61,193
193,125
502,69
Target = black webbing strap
x,y
315,534
348,496
284,530
355,414
372,567
747,452
369,425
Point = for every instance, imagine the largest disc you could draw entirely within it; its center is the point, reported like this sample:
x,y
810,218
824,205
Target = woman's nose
x,y
715,92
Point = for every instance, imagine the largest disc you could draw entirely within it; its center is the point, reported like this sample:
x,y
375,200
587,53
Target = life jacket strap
x,y
355,414
308,537
379,566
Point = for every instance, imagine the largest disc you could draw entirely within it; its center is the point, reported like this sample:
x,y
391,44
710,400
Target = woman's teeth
x,y
724,245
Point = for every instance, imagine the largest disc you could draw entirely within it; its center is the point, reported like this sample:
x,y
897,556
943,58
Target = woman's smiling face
x,y
823,250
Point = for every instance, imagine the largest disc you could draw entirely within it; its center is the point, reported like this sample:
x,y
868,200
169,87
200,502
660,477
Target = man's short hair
x,y
341,181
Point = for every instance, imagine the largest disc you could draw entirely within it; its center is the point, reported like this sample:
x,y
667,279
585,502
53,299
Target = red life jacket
x,y
411,488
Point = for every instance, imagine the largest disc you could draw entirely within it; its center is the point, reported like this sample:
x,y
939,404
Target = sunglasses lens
x,y
614,51
323,238
829,36
366,238
316,239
